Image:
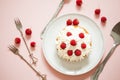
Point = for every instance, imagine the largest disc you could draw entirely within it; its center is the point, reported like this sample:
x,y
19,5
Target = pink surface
x,y
35,14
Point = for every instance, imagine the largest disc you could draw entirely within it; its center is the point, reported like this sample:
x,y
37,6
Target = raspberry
x,y
97,11
77,52
68,33
33,44
75,22
69,22
28,31
73,42
81,35
83,45
17,40
63,45
103,19
69,52
78,2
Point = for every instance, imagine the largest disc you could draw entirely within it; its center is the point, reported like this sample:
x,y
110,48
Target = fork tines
x,y
116,29
18,23
13,49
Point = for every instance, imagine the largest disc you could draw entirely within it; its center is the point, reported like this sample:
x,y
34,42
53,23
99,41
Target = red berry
x,y
28,31
97,11
69,22
75,22
68,33
81,35
17,40
83,45
33,44
78,2
103,19
63,45
77,52
69,52
73,42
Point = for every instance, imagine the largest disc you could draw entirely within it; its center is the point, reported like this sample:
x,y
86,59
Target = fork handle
x,y
25,42
34,59
101,66
43,77
54,16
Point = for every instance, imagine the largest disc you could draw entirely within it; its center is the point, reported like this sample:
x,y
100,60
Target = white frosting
x,y
75,30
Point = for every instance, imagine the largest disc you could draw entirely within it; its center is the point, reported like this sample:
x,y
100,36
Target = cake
x,y
73,43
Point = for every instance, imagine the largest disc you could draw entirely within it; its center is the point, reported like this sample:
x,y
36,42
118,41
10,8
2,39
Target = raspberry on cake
x,y
68,33
73,43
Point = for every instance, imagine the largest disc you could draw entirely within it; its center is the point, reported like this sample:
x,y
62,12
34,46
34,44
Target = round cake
x,y
73,43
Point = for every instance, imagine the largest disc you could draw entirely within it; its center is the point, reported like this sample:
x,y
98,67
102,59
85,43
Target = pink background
x,y
35,14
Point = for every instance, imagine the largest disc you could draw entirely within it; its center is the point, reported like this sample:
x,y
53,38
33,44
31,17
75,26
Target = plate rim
x,y
102,52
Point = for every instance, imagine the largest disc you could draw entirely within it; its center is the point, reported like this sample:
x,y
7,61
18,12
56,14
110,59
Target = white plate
x,y
74,68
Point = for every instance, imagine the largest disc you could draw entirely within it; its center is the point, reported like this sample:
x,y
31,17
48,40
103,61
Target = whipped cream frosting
x,y
75,31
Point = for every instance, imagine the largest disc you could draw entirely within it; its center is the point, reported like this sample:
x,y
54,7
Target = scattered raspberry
x,y
73,42
69,22
63,45
17,40
83,45
75,22
103,19
68,33
28,31
79,2
33,44
97,11
69,52
81,35
77,52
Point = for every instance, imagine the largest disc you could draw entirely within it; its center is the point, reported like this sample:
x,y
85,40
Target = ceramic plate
x,y
73,68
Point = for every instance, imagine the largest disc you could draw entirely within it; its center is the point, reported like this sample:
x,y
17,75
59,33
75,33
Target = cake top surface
x,y
73,43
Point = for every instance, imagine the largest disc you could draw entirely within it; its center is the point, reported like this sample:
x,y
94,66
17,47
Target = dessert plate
x,y
72,68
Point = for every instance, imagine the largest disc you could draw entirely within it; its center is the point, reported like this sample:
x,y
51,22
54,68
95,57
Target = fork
x,y
19,27
15,50
54,16
115,33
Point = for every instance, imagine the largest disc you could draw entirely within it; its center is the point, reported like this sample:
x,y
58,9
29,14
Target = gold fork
x,y
19,27
15,50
